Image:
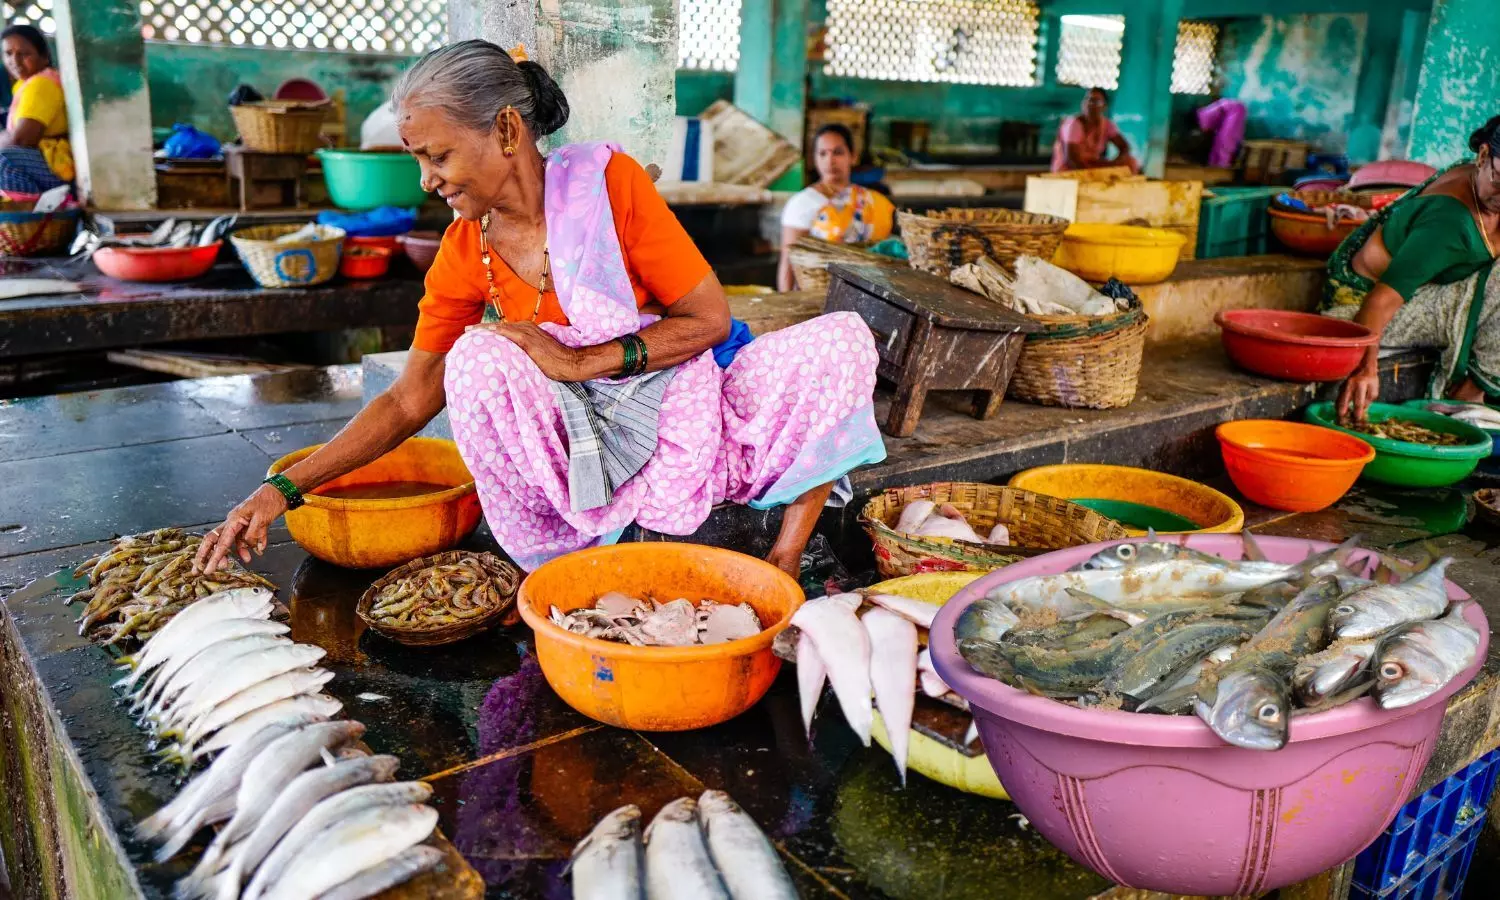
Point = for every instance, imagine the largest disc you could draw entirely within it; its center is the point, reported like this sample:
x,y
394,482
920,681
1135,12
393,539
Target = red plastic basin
x,y
1294,346
156,263
1160,802
1291,466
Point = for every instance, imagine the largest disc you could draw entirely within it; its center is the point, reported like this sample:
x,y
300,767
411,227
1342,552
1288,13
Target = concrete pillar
x,y
771,82
615,59
1143,104
1377,70
102,60
1460,81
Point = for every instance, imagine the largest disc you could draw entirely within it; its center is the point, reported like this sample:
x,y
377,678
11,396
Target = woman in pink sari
x,y
1083,140
584,349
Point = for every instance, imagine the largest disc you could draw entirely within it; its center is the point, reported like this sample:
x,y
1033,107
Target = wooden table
x,y
265,179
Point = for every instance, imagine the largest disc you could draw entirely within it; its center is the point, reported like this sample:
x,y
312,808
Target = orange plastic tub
x,y
658,688
1291,466
367,534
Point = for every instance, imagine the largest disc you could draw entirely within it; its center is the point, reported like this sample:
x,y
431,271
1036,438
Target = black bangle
x,y
284,486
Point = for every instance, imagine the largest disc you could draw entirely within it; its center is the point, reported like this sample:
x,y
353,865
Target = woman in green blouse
x,y
1417,273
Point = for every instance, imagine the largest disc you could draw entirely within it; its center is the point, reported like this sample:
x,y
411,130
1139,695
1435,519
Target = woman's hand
x,y
244,530
1358,392
557,361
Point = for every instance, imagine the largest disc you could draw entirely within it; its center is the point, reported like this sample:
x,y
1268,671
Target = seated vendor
x,y
832,208
34,152
1418,273
576,336
1084,139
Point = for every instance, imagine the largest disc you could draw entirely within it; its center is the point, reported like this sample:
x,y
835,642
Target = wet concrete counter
x,y
519,776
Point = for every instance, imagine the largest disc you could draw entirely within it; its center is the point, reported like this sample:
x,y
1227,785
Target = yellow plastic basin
x,y
1215,512
1132,254
368,534
943,764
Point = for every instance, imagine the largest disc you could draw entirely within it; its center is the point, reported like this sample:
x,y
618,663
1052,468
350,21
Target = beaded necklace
x,y
489,271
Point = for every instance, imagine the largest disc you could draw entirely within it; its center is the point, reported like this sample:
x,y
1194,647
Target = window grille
x,y
1193,61
708,35
31,12
1088,51
956,41
362,26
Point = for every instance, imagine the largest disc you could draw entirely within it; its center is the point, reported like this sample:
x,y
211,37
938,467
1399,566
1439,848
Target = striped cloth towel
x,y
612,432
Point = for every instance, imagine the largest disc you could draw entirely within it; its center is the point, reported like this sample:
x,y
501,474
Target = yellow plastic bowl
x,y
1132,254
943,764
1217,512
658,688
368,534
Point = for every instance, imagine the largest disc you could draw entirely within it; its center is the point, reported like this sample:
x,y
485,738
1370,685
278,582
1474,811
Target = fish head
x,y
1318,678
1252,710
1364,614
985,658
986,619
1408,669
1132,554
716,803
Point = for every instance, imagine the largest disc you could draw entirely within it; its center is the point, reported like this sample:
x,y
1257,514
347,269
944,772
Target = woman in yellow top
x,y
34,152
833,208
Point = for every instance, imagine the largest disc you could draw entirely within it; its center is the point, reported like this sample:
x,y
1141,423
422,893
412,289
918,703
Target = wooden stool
x,y
267,180
931,336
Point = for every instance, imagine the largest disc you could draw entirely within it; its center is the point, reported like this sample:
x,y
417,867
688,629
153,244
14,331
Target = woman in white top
x,y
832,208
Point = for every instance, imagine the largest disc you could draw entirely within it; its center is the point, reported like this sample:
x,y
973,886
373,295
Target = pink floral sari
x,y
793,411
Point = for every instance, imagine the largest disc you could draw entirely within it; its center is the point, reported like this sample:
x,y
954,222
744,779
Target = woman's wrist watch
x,y
284,486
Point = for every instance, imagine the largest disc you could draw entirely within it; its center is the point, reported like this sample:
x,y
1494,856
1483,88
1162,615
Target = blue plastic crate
x,y
1425,853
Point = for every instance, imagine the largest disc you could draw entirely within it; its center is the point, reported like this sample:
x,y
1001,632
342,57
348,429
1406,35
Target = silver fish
x,y
220,781
222,630
1382,607
299,797
323,816
250,669
917,612
607,864
365,839
678,866
844,647
163,692
1420,659
304,709
399,869
237,603
893,665
748,863
1178,698
290,684
812,674
1332,671
1252,709
985,620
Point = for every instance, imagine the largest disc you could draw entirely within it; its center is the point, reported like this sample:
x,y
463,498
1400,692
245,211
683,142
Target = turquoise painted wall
x,y
1459,87
191,82
697,91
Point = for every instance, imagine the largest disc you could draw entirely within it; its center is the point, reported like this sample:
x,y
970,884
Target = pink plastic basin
x,y
1160,802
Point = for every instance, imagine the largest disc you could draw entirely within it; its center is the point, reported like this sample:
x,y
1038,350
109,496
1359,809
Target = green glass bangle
x,y
284,486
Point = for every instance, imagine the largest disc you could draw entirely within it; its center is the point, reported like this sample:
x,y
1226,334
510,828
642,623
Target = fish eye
x,y
1391,671
1126,551
1269,713
1344,610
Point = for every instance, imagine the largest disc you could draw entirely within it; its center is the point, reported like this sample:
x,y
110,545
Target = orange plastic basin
x,y
1309,234
1291,466
658,688
367,534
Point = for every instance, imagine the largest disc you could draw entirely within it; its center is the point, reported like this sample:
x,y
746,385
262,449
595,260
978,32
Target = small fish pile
x,y
648,623
140,583
1406,430
304,812
877,653
100,231
442,594
1246,645
708,849
1475,414
923,518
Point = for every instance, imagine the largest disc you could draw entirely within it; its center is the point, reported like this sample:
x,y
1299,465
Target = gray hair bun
x,y
551,106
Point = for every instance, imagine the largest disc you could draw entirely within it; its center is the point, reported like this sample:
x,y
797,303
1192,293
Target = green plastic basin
x,y
1410,464
1139,515
359,180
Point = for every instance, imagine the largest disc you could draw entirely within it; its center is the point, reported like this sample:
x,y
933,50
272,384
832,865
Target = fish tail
x,y
1253,550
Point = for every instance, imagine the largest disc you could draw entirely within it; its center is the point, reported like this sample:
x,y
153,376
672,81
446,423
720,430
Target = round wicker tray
x,y
505,578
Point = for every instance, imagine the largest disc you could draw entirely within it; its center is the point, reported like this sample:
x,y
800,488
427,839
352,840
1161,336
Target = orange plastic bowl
x,y
1307,234
658,688
156,264
1291,466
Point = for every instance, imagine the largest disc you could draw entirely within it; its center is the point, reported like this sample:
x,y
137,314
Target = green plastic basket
x,y
1409,464
358,180
1139,516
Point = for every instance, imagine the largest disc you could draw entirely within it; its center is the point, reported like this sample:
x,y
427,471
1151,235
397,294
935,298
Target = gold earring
x,y
510,147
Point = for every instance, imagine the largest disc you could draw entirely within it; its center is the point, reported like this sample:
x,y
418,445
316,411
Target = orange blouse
x,y
662,261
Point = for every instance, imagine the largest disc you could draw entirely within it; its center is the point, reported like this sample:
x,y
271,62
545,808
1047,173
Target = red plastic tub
x,y
1294,346
365,262
391,243
156,263
1291,466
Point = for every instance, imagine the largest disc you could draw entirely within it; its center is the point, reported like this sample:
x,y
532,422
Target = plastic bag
x,y
187,142
379,129
384,221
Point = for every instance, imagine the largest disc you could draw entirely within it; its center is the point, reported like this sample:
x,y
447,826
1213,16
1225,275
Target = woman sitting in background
x,y
1083,139
1418,274
34,152
833,208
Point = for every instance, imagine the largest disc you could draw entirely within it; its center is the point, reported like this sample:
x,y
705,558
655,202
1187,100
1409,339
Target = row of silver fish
x,y
1245,644
708,849
303,811
647,623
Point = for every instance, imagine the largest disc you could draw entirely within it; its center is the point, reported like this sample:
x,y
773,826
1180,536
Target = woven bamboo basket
x,y
810,259
1038,524
296,264
504,577
26,233
941,241
1082,361
280,126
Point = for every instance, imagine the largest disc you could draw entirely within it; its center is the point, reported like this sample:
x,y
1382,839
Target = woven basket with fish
x,y
811,257
943,240
442,598
1037,524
